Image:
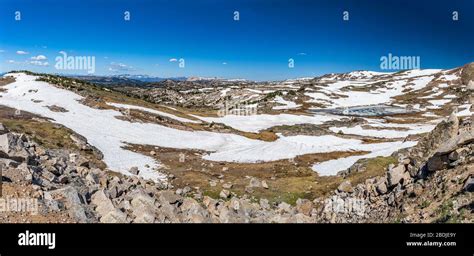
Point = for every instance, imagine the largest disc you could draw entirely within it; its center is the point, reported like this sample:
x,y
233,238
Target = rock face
x,y
467,74
435,174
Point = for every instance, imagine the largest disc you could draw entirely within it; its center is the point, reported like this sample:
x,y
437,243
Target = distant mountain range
x,y
125,80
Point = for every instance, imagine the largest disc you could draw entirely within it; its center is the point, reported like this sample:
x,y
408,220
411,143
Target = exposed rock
x,y
304,206
134,170
437,162
381,186
395,175
345,186
264,203
467,74
469,185
254,183
224,194
105,208
69,198
3,129
169,197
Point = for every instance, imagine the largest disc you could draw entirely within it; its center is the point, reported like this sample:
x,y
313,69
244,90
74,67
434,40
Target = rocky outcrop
x,y
467,74
66,182
432,182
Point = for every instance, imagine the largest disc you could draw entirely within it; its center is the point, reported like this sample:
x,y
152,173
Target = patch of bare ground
x,y
6,80
55,108
287,180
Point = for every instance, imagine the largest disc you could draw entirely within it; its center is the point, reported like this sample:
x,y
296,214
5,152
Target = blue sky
x,y
258,46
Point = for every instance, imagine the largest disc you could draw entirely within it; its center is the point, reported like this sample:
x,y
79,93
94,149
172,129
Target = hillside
x,y
240,151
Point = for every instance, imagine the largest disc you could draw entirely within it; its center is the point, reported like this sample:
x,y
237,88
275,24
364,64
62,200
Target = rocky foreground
x,y
432,182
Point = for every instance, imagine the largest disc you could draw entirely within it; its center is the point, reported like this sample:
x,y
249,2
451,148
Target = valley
x,y
302,140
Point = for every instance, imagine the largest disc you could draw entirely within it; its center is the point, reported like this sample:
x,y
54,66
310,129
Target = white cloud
x,y
224,63
173,60
302,54
39,57
11,61
39,63
21,52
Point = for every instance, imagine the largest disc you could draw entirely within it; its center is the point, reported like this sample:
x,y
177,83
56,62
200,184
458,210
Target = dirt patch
x,y
55,108
6,80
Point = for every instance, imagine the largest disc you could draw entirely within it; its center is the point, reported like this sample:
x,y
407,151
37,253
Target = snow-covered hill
x,y
427,92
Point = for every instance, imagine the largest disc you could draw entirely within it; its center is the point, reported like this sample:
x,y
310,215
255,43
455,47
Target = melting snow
x,y
109,134
286,104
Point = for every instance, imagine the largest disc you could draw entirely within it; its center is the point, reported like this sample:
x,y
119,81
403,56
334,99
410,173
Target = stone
x,y
254,183
103,204
92,178
437,162
144,217
63,179
16,173
381,186
304,206
395,175
458,154
224,194
186,190
284,207
169,197
227,185
469,185
193,212
213,183
69,197
412,170
115,216
7,142
345,186
48,176
3,130
134,170
264,184
235,204
264,203
142,200
470,85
